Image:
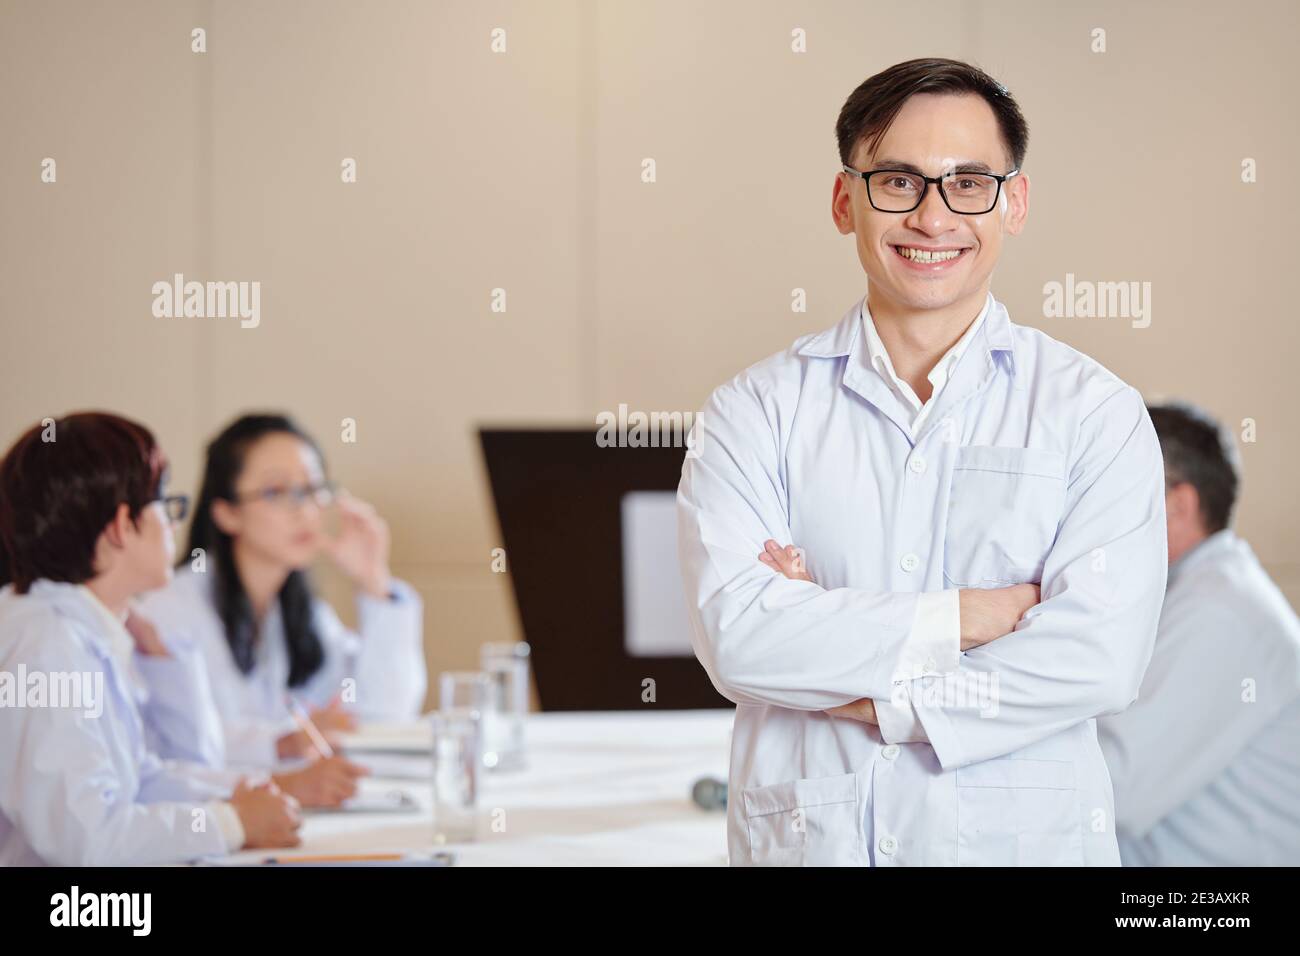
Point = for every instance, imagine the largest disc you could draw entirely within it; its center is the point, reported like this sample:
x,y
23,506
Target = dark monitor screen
x,y
569,510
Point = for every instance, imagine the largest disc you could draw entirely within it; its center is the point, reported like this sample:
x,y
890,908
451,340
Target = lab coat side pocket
x,y
810,822
1019,812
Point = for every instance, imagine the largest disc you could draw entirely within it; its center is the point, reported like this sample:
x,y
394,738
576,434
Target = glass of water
x,y
478,691
457,760
507,665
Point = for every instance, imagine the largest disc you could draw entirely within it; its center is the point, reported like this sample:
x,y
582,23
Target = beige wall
x,y
522,171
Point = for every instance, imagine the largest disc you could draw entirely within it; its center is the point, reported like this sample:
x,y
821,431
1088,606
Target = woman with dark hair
x,y
85,527
242,595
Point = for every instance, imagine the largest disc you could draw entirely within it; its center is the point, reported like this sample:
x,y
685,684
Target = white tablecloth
x,y
609,788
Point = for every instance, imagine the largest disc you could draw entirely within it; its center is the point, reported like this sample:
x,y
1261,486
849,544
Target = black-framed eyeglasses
x,y
175,506
321,494
902,190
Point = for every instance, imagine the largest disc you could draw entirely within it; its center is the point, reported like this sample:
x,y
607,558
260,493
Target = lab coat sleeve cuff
x,y
897,719
942,736
389,666
933,645
399,607
232,830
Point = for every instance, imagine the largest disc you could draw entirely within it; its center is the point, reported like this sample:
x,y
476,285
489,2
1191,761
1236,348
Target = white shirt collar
x,y
119,641
938,376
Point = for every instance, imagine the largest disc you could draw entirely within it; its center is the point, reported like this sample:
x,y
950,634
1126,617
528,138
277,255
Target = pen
x,y
304,721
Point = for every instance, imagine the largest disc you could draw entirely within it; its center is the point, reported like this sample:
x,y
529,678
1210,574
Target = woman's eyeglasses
x,y
296,496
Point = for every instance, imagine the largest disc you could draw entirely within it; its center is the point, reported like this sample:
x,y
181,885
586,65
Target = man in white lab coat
x,y
908,697
1206,763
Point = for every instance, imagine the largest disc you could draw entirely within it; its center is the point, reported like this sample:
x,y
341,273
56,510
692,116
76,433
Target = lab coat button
x,y
917,464
909,562
890,752
888,845
930,665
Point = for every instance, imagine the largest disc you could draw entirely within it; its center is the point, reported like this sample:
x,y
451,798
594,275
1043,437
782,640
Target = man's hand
x,y
789,560
987,614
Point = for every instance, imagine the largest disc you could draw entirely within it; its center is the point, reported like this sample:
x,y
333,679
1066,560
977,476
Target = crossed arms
x,y
1078,651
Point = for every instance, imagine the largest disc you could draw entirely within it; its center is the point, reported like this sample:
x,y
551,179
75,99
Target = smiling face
x,y
932,258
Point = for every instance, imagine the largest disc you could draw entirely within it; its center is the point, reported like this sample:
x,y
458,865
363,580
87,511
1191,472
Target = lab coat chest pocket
x,y
1004,506
1018,812
811,822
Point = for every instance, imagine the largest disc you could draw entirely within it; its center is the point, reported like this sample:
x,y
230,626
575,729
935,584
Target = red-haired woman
x,y
85,527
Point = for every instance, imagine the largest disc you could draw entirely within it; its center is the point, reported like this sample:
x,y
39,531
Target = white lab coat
x,y
1036,464
78,787
383,666
179,710
1206,763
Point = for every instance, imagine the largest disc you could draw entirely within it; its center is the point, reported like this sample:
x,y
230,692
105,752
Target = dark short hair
x,y
61,484
1199,451
872,108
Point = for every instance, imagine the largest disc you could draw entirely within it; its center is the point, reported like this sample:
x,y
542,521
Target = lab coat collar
x,y
105,637
1215,546
843,337
114,629
968,376
839,339
104,632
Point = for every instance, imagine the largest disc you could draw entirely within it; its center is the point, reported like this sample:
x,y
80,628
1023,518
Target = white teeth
x,y
923,255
